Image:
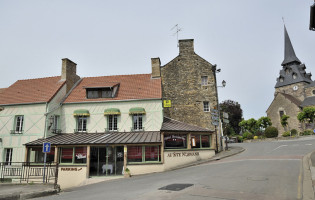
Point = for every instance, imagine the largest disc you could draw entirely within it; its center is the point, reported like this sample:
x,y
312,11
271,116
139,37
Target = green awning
x,y
136,110
112,111
81,112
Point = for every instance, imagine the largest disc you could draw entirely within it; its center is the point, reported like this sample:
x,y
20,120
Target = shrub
x,y
307,132
286,134
255,137
247,135
271,132
239,138
259,133
294,132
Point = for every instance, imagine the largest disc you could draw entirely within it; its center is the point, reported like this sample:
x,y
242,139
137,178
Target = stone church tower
x,y
294,89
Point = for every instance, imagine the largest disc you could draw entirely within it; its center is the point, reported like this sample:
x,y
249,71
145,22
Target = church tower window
x,y
294,76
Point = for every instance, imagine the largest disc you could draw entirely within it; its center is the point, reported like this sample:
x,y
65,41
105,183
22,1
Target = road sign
x,y
226,121
214,110
215,118
215,114
216,123
167,103
225,115
46,147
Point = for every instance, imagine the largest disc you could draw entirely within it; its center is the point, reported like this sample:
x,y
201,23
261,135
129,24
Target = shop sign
x,y
182,154
167,103
80,156
70,169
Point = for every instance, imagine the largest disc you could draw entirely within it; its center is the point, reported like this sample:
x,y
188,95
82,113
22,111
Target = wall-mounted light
x,y
223,83
312,17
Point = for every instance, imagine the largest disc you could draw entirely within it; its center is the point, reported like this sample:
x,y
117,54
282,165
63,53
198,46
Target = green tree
x,y
307,115
284,121
264,122
249,125
235,112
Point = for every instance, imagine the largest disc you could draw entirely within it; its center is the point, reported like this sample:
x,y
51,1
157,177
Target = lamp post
x,y
220,123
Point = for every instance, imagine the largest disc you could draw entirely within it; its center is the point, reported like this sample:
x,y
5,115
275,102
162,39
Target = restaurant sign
x,y
182,154
71,169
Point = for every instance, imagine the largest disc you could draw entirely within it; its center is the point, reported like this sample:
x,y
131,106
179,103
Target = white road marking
x,y
308,144
278,147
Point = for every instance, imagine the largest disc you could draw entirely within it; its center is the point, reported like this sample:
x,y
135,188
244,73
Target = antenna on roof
x,y
177,31
283,20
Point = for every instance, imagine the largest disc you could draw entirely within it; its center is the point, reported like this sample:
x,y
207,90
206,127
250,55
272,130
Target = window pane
x,y
135,122
115,122
204,80
205,140
8,156
82,123
134,154
110,122
152,153
56,122
80,155
92,94
38,155
19,124
66,155
175,141
197,141
206,106
106,93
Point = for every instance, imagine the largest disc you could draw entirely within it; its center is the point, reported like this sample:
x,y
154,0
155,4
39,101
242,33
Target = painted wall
x,y
33,127
71,176
97,122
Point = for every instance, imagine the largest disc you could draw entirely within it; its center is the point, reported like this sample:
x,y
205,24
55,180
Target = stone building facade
x,y
189,83
294,90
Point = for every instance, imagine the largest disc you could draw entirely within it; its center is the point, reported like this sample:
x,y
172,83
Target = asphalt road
x,y
265,170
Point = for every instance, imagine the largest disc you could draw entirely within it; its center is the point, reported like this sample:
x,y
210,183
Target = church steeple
x,y
289,54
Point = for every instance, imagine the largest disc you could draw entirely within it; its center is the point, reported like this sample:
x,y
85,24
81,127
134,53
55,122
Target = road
x,y
265,170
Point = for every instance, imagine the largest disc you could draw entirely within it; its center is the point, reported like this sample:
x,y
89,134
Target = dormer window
x,y
108,91
294,76
281,79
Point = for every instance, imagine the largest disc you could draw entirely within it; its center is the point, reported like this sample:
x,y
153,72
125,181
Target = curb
x,y
17,196
307,183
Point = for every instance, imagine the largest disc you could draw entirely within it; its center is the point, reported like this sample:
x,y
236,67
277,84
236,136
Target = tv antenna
x,y
177,31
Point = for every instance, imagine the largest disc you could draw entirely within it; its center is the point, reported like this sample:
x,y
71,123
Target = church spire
x,y
289,54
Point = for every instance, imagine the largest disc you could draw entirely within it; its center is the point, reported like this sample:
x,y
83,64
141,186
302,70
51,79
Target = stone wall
x,y
280,103
181,83
288,89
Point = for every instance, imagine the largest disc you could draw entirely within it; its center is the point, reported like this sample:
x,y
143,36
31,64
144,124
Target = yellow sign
x,y
125,149
167,103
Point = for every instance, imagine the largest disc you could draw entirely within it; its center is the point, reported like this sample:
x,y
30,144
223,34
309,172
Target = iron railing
x,y
26,172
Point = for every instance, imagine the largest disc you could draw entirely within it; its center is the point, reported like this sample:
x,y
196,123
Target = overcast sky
x,y
244,38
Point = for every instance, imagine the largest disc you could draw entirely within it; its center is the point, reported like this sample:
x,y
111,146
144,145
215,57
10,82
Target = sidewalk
x,y
28,191
25,191
309,176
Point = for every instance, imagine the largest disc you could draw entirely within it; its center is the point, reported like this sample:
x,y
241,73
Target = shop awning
x,y
81,112
112,111
136,110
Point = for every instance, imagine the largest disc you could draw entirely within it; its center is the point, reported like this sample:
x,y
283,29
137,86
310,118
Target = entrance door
x,y
106,161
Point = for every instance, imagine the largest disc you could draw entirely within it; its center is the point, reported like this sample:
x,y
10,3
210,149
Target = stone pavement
x,y
28,191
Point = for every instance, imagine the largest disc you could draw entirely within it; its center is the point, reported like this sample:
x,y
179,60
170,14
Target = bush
x,y
271,132
294,132
286,134
307,132
260,133
239,138
247,136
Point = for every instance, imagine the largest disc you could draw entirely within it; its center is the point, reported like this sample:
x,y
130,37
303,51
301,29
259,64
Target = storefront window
x,y
73,155
200,141
152,153
36,155
175,141
143,154
66,155
80,155
134,154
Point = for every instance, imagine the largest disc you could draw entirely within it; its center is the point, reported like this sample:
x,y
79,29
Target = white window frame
x,y
204,80
82,128
137,122
19,120
206,106
112,121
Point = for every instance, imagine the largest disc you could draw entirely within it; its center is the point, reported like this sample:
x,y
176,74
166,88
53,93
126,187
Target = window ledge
x,y
145,163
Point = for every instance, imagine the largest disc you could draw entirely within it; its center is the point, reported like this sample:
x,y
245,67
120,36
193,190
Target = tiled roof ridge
x,y
115,75
37,78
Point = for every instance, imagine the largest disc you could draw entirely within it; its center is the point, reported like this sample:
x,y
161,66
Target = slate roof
x,y
31,91
289,54
138,86
101,138
308,101
292,99
292,65
174,125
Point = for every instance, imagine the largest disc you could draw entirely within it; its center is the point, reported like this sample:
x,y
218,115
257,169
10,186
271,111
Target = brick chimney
x,y
156,67
69,73
186,47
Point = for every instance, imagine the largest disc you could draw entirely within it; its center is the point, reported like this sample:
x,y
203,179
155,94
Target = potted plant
x,y
127,173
